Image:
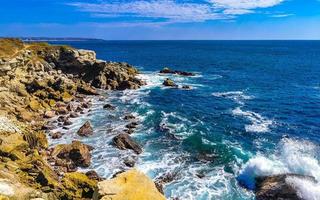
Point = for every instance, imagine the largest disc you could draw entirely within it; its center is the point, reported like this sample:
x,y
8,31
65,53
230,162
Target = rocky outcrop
x,y
124,141
277,187
85,130
39,82
167,70
130,185
169,83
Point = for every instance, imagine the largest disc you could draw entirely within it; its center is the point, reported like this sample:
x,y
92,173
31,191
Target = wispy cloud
x,y
281,15
172,11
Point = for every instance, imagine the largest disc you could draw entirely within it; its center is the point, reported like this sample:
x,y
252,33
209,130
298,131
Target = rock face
x,y
130,185
124,141
166,70
85,130
277,187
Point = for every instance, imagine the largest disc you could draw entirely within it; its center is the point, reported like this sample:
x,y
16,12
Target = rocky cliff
x,y
38,82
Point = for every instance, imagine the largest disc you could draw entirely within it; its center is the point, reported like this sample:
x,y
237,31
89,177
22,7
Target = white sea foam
x,y
307,189
237,96
259,124
292,156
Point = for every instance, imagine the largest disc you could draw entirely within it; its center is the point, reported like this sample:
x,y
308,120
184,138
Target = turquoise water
x,y
254,110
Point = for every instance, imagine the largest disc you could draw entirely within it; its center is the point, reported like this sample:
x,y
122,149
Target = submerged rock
x,y
124,141
278,187
130,185
85,130
109,107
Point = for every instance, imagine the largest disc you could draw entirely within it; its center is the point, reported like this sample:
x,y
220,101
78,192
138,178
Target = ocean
x,y
254,110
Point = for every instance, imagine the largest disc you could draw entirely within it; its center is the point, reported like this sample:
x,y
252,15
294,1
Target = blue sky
x,y
162,19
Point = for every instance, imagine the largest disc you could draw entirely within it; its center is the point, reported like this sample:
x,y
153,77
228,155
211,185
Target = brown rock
x,y
85,130
49,114
56,135
93,175
124,141
109,107
77,152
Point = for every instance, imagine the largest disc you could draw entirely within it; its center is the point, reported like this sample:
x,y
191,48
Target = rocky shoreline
x,y
43,87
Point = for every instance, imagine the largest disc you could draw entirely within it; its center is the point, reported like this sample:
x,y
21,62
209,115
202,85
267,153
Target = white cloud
x,y
243,6
172,11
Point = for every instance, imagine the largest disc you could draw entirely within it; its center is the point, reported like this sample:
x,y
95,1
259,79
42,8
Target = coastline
x,y
43,87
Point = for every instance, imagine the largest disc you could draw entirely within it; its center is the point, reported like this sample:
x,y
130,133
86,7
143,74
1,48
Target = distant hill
x,y
48,39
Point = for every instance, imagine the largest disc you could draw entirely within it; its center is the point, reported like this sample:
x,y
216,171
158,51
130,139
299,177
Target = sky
x,y
162,19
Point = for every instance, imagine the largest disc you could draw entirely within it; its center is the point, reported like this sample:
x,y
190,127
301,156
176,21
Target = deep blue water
x,y
254,110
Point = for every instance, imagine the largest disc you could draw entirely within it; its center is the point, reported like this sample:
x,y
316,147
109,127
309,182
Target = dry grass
x,y
9,47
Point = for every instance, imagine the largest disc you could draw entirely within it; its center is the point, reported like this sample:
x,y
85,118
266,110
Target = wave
x,y
292,156
259,124
237,96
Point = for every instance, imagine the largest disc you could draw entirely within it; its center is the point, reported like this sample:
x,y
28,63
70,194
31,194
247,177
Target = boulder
x,y
169,83
277,187
130,185
76,152
85,130
124,141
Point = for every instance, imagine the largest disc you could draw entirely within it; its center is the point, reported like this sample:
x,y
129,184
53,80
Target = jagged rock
x,y
187,87
164,179
166,70
277,187
77,152
130,185
132,125
85,130
169,83
129,117
124,141
73,115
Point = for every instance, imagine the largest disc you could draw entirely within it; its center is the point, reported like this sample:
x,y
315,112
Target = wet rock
x,y
187,87
85,130
169,83
166,70
129,162
85,105
62,111
129,131
87,90
67,123
123,141
62,118
206,157
129,117
56,135
277,187
76,152
109,107
73,115
164,179
132,125
93,175
48,127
